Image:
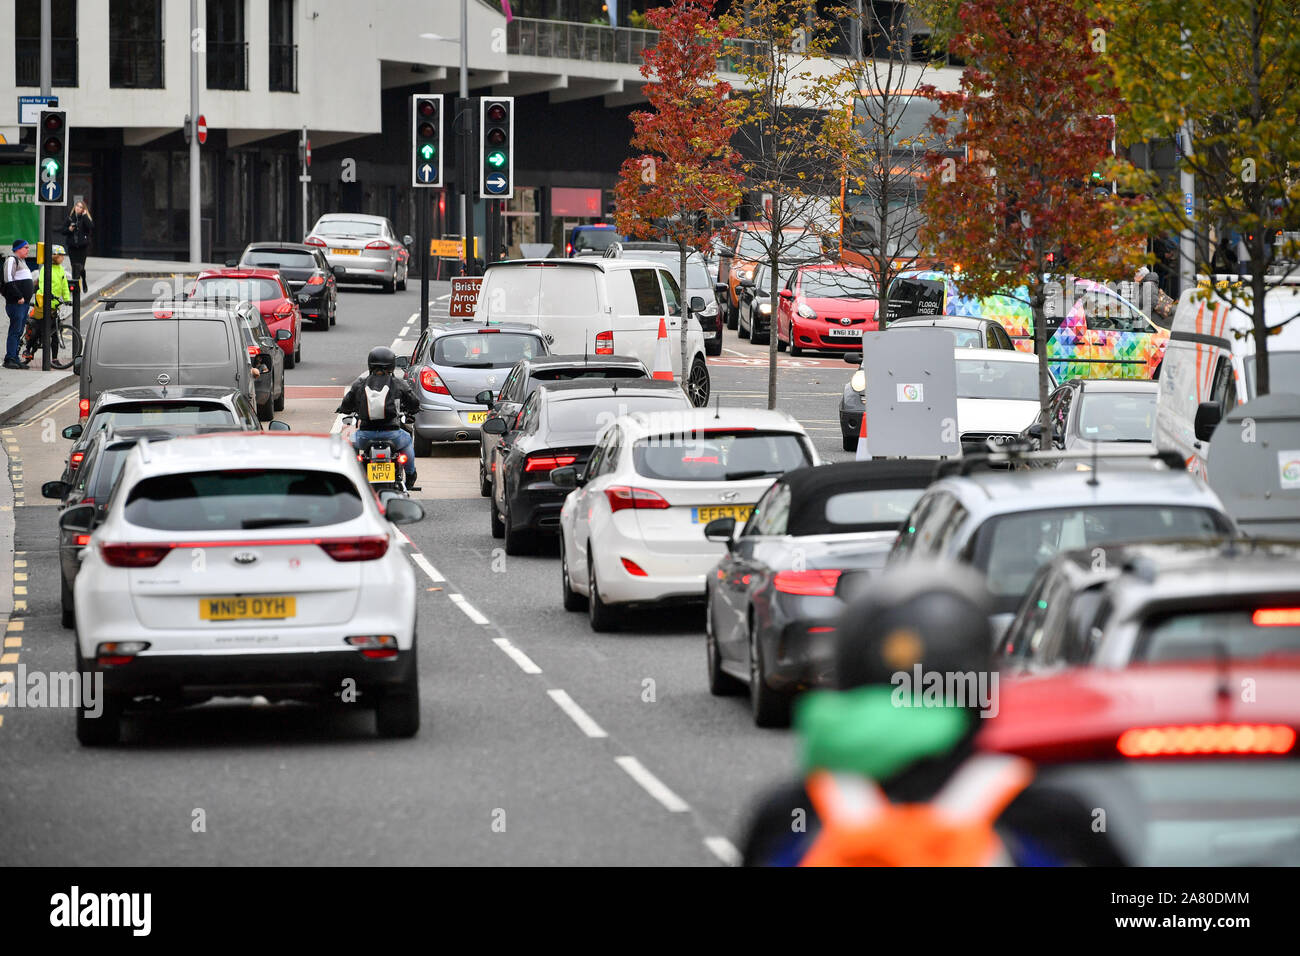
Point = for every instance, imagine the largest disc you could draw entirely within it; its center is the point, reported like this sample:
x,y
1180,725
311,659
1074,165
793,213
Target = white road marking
x,y
577,714
423,564
397,345
515,654
470,610
337,427
723,849
445,295
733,352
652,785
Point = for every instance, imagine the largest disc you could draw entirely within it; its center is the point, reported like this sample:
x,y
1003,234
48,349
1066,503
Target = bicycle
x,y
65,340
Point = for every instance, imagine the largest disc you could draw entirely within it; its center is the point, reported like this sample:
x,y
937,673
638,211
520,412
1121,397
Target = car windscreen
x,y
485,350
593,239
718,454
762,279
280,258
991,378
794,247
836,284
136,342
1118,416
243,499
1252,630
539,292
589,414
130,414
348,227
696,276
1282,367
254,289
1010,548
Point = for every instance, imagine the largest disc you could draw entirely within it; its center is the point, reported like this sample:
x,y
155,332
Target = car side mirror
x,y
303,298
402,361
339,272
495,426
283,335
400,510
80,519
73,432
719,287
55,489
1208,415
697,303
1035,431
407,240
276,425
853,358
486,397
567,477
786,294
745,284
76,365
721,530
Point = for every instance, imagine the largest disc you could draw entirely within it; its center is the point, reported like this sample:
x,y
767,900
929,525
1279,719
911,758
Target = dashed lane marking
x,y
515,654
576,714
424,565
723,849
470,610
653,785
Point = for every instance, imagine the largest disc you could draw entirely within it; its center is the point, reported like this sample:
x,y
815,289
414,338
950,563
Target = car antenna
x,y
717,408
1224,689
1092,477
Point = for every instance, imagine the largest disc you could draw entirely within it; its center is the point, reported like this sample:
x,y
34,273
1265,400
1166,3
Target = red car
x,y
264,288
1194,763
826,307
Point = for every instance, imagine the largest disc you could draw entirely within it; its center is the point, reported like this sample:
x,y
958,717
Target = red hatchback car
x,y
826,307
265,289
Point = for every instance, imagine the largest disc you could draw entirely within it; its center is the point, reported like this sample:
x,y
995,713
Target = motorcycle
x,y
384,465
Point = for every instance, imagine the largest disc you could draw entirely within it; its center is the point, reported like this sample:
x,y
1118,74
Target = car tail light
x,y
375,646
622,496
1206,739
1276,617
117,653
82,540
254,351
818,583
568,248
430,382
133,555
366,548
283,311
549,462
821,630
315,280
605,342
83,408
313,241
162,314
77,458
631,567
378,244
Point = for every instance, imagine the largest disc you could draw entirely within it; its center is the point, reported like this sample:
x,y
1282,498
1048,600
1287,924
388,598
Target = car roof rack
x,y
110,303
1022,455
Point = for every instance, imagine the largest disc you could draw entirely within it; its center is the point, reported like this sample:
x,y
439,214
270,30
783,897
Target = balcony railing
x,y
227,65
135,64
27,61
595,44
284,68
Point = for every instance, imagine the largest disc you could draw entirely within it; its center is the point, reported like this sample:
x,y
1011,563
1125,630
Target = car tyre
x,y
713,348
770,709
390,288
498,526
401,286
733,318
290,359
278,403
266,410
721,684
484,482
67,607
602,617
742,330
780,342
105,729
423,447
573,601
397,711
334,315
698,385
518,541
795,350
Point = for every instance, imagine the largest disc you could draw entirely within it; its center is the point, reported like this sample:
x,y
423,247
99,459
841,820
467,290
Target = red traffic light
x,y
52,145
426,130
496,136
54,122
427,108
496,112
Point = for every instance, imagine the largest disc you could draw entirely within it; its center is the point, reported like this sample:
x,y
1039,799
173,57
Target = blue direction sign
x,y
495,184
428,173
52,190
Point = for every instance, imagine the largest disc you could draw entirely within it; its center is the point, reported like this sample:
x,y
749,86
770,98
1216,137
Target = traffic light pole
x,y
44,233
196,210
422,243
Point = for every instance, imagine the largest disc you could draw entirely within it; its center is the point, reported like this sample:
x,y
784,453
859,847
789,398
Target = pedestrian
x,y
18,289
79,230
62,294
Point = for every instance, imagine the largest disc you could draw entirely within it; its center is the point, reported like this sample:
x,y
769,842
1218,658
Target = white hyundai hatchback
x,y
246,564
631,531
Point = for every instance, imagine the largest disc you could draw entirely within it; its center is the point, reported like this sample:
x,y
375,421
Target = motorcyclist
x,y
62,292
894,779
378,399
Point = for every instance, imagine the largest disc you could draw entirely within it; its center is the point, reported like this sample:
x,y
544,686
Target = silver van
x,y
171,344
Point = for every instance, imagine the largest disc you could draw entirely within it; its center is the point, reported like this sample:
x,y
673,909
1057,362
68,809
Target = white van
x,y
1209,365
598,306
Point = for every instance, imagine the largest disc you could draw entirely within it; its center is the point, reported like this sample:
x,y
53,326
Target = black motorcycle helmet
x,y
933,615
381,360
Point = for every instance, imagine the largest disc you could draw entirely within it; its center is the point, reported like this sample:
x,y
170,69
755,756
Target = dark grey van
x,y
167,345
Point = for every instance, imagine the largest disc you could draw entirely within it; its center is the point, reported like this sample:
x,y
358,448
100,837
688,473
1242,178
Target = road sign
x,y
495,184
29,108
464,296
308,155
445,248
202,129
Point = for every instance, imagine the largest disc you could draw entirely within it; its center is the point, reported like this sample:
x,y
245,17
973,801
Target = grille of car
x,y
977,441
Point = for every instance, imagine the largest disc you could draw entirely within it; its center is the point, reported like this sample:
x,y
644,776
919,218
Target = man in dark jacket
x,y
18,288
378,400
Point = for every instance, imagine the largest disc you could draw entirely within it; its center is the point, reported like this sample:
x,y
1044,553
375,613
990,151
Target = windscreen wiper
x,y
753,473
250,523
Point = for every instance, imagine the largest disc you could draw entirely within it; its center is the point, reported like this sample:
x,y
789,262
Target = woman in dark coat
x,y
79,230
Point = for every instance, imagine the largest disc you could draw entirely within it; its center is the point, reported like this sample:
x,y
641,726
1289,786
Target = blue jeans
x,y
17,322
400,438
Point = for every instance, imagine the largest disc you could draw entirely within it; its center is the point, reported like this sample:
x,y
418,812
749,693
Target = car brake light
x,y
821,630
162,314
487,331
1206,739
375,646
430,382
83,408
568,248
605,342
117,653
366,548
76,459
817,583
283,311
549,462
133,555
1276,617
622,496
313,241
631,567
82,540
254,351
378,244
315,280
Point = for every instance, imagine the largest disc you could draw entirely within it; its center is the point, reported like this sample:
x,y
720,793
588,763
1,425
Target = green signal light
x,y
496,159
427,151
50,167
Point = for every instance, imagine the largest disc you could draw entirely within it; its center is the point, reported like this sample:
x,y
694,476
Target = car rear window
x,y
589,414
204,342
874,509
588,239
539,291
990,378
135,342
128,414
254,289
485,349
1118,416
277,258
719,455
243,499
916,297
578,374
348,227
1256,630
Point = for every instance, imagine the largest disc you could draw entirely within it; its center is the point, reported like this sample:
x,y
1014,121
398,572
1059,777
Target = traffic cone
x,y
863,454
663,358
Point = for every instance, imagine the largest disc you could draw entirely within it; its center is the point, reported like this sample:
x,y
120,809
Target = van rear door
x,y
207,353
637,295
133,351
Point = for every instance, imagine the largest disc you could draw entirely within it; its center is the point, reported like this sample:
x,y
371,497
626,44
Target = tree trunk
x,y
1037,299
774,285
685,310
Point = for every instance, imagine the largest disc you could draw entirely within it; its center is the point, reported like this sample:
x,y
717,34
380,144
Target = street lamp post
x,y
196,213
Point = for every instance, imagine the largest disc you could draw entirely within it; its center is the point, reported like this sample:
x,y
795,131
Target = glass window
x,y
596,372
593,240
876,509
992,378
1118,416
1107,312
133,342
1233,633
1225,386
672,295
837,284
252,289
916,297
243,499
485,350
795,247
588,414
204,343
718,455
649,296
696,276
128,414
356,228
532,291
280,258
1282,367
775,518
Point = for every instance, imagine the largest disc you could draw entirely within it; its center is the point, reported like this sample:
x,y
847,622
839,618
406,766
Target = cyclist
x,y
378,399
62,293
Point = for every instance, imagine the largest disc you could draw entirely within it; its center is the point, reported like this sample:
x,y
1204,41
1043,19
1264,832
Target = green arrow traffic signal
x,y
50,167
427,151
496,158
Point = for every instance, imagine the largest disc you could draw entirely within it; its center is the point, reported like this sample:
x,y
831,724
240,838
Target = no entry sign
x,y
202,129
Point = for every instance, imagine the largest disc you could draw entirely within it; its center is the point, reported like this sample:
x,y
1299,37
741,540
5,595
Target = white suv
x,y
247,564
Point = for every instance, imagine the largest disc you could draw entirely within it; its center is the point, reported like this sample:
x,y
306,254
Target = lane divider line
x,y
723,849
653,785
434,574
470,610
576,714
515,654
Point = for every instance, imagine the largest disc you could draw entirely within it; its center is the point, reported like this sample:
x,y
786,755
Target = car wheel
x,y
742,330
278,404
713,348
698,385
850,442
334,315
265,411
573,601
760,339
423,447
401,286
770,708
498,526
68,616
721,684
795,350
780,342
517,541
397,711
733,318
390,288
602,617
324,323
484,482
103,728
290,359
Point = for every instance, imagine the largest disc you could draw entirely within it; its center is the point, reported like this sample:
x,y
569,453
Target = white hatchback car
x,y
632,530
247,564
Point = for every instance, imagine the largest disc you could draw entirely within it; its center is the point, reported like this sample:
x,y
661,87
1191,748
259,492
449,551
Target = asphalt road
x,y
541,743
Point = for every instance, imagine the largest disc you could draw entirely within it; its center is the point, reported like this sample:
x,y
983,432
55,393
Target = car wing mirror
x,y
407,240
722,530
402,361
566,477
339,272
73,432
277,426
283,335
79,519
495,426
786,294
55,489
401,510
303,298
485,397
697,303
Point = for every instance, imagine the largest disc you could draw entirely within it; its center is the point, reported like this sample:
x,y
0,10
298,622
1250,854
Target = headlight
x,y
765,308
806,312
859,381
744,273
711,308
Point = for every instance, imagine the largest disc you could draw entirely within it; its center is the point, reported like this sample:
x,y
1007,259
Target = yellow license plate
x,y
476,418
268,608
708,513
345,252
381,471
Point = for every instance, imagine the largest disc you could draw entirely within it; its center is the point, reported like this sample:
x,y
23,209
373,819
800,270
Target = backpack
x,y
861,827
381,402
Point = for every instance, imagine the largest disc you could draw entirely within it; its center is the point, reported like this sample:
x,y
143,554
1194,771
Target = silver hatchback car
x,y
366,247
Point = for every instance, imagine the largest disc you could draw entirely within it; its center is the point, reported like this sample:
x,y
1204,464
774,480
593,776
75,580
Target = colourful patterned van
x,y
1103,335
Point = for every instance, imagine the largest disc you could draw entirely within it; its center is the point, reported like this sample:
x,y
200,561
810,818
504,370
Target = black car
x,y
754,312
159,406
528,374
311,280
814,537
557,427
265,355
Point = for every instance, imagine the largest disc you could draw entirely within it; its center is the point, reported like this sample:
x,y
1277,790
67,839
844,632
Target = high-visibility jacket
x,y
58,282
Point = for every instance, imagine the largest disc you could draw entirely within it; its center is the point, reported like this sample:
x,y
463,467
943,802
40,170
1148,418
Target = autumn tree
x,y
687,172
1033,103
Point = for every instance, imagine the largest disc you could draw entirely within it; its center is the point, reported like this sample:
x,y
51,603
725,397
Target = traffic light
x,y
496,147
52,158
426,139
